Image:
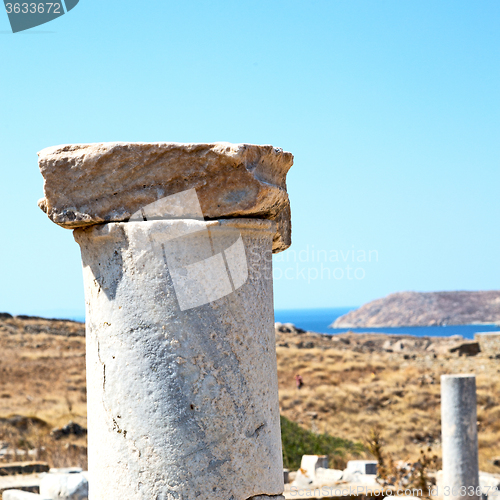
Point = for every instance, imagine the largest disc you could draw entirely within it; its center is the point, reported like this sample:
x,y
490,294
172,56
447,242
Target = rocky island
x,y
425,309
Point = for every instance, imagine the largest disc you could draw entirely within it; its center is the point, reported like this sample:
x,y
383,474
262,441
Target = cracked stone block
x,y
88,184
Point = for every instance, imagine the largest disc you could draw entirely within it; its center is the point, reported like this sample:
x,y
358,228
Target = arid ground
x,y
352,384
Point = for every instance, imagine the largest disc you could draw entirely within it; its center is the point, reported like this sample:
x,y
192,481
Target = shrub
x,y
298,441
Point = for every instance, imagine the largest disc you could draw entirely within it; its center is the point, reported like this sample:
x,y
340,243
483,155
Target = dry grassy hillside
x,y
351,385
42,376
422,309
42,369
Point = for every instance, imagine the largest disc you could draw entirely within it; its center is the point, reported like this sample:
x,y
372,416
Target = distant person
x,y
298,381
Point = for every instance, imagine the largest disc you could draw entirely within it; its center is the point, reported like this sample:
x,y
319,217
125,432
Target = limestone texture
x,y
182,404
88,184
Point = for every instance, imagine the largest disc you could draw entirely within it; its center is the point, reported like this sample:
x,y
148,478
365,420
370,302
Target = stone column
x,y
181,363
459,437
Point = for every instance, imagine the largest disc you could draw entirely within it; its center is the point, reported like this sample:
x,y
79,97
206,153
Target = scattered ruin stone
x,y
288,328
20,495
310,463
466,349
286,476
357,468
302,479
13,468
326,477
25,482
71,428
64,486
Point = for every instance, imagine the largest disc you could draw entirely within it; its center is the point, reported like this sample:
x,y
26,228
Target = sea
x,y
318,320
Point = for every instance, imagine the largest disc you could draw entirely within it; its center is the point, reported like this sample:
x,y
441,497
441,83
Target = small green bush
x,y
298,441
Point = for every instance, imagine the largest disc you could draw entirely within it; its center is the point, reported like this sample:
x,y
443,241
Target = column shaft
x,y
459,437
182,404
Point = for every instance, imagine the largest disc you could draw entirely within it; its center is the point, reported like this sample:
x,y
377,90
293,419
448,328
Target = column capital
x,y
88,184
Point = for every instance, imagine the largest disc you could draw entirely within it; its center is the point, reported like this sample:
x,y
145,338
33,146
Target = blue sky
x,y
391,108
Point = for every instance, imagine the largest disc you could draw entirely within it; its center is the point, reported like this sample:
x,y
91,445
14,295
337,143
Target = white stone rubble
x,y
56,486
20,495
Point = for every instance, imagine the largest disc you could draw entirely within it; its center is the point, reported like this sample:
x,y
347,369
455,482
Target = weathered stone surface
x,y
459,435
87,184
181,404
55,486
